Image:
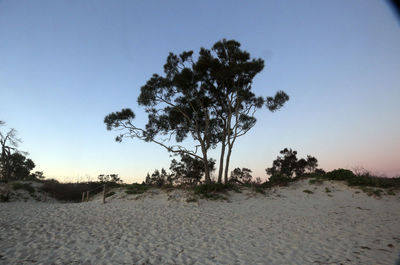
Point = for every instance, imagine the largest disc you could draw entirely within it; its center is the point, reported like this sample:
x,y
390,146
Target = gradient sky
x,y
64,65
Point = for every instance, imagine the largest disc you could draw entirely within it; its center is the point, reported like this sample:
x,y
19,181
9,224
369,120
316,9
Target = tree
x,y
20,167
209,100
242,176
231,73
289,166
157,179
9,143
111,178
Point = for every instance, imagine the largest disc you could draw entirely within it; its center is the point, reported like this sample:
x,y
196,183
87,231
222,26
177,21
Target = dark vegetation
x,y
136,188
14,165
23,186
209,100
69,191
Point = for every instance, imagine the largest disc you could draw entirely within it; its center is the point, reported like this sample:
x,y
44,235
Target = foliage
x,y
157,179
23,186
242,176
20,167
188,171
109,179
280,180
340,174
212,190
136,188
289,166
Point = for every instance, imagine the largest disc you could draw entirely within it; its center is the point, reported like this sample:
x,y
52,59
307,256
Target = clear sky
x,y
64,65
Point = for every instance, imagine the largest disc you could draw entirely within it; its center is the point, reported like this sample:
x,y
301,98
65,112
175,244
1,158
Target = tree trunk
x,y
221,161
228,157
205,162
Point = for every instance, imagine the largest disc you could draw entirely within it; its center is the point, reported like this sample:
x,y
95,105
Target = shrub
x,y
212,190
280,179
340,174
23,186
136,188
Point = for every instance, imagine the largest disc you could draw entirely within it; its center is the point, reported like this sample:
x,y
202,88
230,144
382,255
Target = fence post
x,y
87,196
104,193
83,196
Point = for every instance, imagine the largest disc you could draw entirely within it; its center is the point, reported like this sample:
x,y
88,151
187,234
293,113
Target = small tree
x,y
242,176
20,167
111,178
288,165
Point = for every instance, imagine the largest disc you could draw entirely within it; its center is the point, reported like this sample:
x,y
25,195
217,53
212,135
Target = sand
x,y
285,226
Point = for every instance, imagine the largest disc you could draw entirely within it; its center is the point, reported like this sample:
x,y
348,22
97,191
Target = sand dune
x,y
286,226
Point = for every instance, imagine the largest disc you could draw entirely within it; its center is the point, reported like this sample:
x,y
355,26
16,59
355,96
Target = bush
x,y
212,190
136,188
280,180
340,174
23,186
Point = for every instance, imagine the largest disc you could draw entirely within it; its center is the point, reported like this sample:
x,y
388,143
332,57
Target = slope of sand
x,y
286,226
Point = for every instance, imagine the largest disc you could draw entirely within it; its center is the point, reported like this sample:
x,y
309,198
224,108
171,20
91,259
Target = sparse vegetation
x,y
308,191
327,190
136,188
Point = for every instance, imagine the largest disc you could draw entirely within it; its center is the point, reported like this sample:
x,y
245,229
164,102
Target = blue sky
x,y
64,65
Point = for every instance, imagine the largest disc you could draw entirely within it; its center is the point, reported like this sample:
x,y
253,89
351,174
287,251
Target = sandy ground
x,y
286,226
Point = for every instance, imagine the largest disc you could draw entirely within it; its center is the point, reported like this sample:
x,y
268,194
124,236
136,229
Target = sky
x,y
65,65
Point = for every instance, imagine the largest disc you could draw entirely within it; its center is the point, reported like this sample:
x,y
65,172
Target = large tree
x,y
209,99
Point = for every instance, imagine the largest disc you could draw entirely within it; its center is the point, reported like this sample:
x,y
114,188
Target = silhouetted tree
x,y
157,179
13,163
20,167
111,178
209,100
288,165
242,176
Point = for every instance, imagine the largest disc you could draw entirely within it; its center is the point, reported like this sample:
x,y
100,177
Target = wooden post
x,y
87,196
104,193
83,196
